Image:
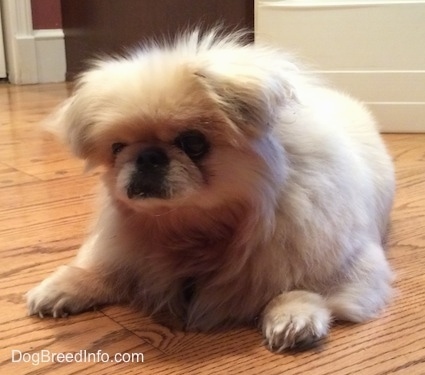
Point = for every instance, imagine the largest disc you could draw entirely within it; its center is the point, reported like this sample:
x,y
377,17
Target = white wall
x,y
375,50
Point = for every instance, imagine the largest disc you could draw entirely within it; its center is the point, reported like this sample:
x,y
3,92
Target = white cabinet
x,y
373,49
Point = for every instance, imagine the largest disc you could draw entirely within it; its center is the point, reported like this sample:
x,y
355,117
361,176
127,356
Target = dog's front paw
x,y
295,319
47,300
56,296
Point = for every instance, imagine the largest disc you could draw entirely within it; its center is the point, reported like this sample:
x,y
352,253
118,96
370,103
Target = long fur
x,y
284,219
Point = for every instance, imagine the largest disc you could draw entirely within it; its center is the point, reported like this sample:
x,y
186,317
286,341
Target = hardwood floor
x,y
46,204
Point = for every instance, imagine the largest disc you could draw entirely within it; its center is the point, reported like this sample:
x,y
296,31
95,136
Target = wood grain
x,y
46,205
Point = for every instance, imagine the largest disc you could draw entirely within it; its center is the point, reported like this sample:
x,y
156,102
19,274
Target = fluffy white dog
x,y
235,187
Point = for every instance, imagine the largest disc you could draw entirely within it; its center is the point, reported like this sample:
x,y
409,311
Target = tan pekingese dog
x,y
236,187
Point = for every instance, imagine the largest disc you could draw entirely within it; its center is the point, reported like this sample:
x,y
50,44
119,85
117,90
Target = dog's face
x,y
178,130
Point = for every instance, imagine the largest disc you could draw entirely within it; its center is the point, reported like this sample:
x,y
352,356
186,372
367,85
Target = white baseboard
x,y
2,54
396,98
33,56
22,66
399,117
39,58
50,55
373,50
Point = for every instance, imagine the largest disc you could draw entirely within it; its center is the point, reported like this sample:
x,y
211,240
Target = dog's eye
x,y
117,147
193,143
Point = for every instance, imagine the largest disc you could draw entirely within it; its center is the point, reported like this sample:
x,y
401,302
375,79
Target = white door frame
x,y
2,55
32,56
19,40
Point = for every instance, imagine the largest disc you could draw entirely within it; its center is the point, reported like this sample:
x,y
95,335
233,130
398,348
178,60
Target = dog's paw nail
x,y
295,320
294,332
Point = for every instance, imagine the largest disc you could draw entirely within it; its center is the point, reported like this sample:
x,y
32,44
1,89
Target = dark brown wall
x,y
94,27
46,14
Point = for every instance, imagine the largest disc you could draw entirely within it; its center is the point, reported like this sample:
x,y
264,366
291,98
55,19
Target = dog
x,y
237,189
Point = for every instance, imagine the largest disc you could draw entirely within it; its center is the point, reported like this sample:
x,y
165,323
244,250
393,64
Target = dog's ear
x,y
67,122
73,121
249,93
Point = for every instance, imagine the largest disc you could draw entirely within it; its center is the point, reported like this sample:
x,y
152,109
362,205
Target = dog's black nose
x,y
152,157
148,180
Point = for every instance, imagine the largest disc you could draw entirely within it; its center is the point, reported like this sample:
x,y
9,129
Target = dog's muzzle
x,y
148,179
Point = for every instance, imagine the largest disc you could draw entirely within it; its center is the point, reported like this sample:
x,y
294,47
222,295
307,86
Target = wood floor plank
x,y
46,206
11,176
88,333
47,211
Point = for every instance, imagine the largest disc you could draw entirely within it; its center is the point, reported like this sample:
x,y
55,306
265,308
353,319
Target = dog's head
x,y
187,123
